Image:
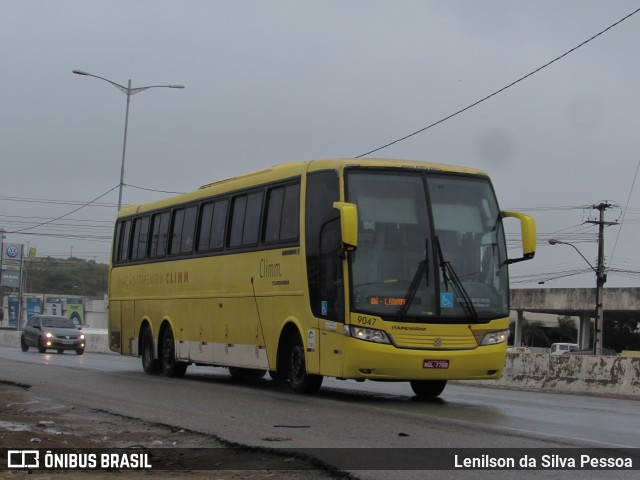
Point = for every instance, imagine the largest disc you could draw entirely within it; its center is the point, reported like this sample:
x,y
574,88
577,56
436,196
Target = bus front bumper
x,y
367,360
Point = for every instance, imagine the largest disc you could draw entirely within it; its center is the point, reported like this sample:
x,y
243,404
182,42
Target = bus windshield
x,y
430,247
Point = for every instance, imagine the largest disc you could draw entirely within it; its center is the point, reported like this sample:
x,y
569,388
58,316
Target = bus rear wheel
x,y
149,364
299,379
427,389
170,366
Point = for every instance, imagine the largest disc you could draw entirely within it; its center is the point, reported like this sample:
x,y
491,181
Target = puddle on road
x,y
14,427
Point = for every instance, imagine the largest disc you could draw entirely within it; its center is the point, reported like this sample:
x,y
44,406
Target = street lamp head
x,y
128,91
553,241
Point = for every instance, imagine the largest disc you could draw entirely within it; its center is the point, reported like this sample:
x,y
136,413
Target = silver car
x,y
52,332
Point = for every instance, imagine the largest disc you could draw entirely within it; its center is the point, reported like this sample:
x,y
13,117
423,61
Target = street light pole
x,y
128,91
601,279
124,144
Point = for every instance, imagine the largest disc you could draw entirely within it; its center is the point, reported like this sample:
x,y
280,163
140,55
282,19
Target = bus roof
x,y
289,170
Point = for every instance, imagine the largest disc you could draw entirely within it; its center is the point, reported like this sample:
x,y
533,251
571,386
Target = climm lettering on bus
x,y
268,269
149,280
177,277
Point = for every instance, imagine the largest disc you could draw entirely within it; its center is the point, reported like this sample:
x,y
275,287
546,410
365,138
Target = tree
x,y
532,333
64,277
566,331
621,333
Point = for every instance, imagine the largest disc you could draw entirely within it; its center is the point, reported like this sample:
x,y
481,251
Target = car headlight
x,y
366,334
81,337
48,335
495,337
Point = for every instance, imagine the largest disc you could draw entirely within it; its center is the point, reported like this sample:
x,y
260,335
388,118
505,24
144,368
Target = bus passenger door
x,y
331,289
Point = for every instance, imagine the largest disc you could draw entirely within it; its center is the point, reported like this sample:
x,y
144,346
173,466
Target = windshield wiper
x,y
449,275
423,268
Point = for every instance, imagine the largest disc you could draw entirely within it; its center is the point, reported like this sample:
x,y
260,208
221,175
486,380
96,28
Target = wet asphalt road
x,y
344,415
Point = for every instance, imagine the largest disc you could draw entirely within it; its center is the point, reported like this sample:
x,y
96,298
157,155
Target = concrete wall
x,y
583,374
96,340
95,313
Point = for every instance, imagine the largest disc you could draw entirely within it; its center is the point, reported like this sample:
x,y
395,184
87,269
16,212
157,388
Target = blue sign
x,y
14,311
324,308
34,307
446,300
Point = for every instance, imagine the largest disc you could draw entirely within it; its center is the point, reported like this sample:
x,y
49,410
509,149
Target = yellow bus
x,y
365,269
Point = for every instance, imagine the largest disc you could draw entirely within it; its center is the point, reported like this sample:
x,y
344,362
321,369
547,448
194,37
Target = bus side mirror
x,y
348,225
528,234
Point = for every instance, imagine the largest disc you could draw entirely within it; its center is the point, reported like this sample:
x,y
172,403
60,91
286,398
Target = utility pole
x,y
601,278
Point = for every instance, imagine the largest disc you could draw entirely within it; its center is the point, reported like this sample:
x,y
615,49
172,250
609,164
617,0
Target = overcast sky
x,y
276,81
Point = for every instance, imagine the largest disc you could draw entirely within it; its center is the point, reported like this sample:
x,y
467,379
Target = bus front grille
x,y
437,342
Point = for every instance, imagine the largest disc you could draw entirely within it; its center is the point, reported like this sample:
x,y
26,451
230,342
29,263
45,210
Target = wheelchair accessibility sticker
x,y
446,300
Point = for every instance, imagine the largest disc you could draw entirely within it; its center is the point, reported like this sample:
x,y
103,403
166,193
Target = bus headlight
x,y
493,338
366,334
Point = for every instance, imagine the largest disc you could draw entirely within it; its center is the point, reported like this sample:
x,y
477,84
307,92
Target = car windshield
x,y
58,323
429,246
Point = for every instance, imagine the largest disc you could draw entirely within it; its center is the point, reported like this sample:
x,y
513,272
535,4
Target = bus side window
x,y
251,229
212,220
140,234
274,214
290,225
216,241
117,242
283,214
206,219
125,241
238,209
245,219
159,228
183,229
176,231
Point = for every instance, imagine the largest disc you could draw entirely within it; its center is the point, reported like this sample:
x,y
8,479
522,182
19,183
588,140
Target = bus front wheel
x,y
299,379
426,389
170,366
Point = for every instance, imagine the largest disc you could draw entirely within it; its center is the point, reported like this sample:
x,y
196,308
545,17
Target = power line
x,y
66,214
88,238
546,209
624,212
153,190
23,217
52,202
503,88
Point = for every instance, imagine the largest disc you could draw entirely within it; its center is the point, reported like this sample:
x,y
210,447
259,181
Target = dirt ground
x,y
23,425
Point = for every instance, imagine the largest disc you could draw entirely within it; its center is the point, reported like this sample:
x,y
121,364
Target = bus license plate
x,y
435,364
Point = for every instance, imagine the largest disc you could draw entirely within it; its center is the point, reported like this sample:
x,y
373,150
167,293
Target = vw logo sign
x,y
12,251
